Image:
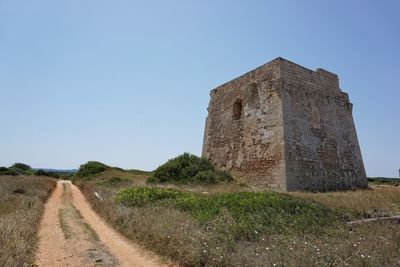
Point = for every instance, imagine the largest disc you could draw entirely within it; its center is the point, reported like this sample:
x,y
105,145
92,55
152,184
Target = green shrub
x,y
90,168
188,168
17,169
21,166
251,212
8,171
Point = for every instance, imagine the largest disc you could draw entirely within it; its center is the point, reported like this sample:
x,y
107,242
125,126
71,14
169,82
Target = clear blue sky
x,y
127,82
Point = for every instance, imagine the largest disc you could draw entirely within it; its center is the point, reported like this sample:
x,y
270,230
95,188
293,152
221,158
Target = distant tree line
x,y
17,169
25,169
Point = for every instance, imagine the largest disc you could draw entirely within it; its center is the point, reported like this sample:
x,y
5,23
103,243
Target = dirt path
x,y
72,234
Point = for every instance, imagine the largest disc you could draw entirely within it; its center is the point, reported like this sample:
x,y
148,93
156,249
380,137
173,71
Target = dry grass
x,y
128,178
106,178
378,201
21,206
178,236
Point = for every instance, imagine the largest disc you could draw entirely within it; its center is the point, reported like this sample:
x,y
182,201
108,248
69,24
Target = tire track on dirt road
x,y
72,234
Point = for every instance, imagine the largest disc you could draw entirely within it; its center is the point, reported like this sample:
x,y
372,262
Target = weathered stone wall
x,y
285,126
322,150
251,146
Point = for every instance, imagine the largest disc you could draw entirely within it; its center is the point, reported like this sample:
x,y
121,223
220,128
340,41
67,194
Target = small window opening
x,y
237,109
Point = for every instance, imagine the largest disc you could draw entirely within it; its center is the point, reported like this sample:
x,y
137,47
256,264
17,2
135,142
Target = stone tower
x,y
285,126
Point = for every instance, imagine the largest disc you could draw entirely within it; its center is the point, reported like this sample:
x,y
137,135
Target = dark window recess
x,y
237,109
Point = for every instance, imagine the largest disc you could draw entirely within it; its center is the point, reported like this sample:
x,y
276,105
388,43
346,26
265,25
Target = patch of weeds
x,y
251,212
65,228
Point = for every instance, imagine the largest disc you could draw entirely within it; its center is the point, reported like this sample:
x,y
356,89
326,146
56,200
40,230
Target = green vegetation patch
x,y
248,213
384,181
8,171
17,169
25,169
91,168
188,168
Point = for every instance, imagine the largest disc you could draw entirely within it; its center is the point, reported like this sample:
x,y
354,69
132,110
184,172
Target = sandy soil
x,y
72,234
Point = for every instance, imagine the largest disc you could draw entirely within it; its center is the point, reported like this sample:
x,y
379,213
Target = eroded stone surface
x,y
285,126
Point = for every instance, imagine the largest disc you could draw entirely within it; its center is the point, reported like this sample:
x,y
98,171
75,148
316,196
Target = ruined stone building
x,y
285,126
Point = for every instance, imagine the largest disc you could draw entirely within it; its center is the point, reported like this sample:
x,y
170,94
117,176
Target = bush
x,y
21,166
17,169
91,168
8,171
188,168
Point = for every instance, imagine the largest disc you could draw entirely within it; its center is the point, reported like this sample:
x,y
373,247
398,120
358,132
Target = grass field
x,y
21,206
238,225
